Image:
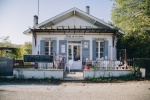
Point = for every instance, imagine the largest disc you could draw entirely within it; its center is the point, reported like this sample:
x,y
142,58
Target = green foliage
x,y
27,47
143,63
133,17
18,51
129,77
32,80
136,72
4,41
137,46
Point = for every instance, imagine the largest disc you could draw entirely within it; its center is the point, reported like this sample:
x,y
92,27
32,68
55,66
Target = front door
x,y
74,53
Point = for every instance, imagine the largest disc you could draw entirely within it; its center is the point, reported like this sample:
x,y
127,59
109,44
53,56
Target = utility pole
x,y
38,9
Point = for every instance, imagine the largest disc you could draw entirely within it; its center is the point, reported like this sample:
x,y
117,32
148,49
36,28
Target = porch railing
x,y
130,62
104,64
57,63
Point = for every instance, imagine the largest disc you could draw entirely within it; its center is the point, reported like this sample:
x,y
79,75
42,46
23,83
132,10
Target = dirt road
x,y
76,91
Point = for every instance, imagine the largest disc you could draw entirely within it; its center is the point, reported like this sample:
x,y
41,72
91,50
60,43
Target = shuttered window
x,y
48,48
99,49
86,49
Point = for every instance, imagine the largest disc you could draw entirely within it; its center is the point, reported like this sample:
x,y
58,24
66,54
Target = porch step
x,y
73,79
74,76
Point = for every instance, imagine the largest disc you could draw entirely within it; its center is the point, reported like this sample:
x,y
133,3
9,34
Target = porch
x,y
104,64
98,68
59,68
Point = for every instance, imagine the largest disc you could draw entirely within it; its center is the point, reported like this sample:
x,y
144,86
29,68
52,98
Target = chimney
x,y
88,9
35,22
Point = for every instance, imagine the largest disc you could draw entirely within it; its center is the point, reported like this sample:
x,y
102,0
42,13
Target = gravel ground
x,y
77,91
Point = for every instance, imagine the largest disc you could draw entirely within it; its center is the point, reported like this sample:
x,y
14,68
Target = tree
x,y
15,52
133,17
18,50
27,47
136,46
4,41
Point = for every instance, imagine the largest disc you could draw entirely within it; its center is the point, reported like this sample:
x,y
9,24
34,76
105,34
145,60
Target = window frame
x,y
50,48
99,52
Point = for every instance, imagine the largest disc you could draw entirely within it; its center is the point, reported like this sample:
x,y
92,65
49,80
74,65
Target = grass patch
x,y
114,79
31,81
55,81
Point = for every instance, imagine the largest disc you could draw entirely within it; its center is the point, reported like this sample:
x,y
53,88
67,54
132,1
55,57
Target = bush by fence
x,y
142,63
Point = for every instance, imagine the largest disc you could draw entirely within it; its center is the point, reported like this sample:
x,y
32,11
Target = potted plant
x,y
87,67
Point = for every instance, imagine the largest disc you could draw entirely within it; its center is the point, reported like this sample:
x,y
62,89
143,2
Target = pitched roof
x,y
74,12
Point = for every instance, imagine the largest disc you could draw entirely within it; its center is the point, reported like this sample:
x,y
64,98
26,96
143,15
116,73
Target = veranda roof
x,y
74,29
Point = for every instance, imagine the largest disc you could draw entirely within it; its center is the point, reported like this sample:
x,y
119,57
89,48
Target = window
x,y
99,49
69,52
48,48
74,52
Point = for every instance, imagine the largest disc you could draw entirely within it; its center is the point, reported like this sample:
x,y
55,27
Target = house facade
x,y
76,35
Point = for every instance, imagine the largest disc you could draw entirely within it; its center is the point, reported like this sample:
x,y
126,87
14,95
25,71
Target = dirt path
x,y
77,91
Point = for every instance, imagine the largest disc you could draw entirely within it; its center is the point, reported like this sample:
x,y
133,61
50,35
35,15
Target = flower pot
x,y
86,67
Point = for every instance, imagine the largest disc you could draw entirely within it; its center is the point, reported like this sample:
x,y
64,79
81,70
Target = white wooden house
x,y
74,34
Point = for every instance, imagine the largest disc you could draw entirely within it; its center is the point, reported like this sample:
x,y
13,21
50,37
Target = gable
x,y
74,21
73,17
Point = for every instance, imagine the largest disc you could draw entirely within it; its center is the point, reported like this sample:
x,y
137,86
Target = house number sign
x,y
98,39
75,36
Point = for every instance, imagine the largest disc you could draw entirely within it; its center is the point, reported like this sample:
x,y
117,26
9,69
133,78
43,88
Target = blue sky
x,y
16,16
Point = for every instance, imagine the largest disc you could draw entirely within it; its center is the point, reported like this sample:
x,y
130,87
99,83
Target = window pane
x,y
51,49
69,58
96,55
101,44
76,54
101,55
96,44
46,53
69,52
46,49
51,44
101,49
46,43
69,49
96,49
